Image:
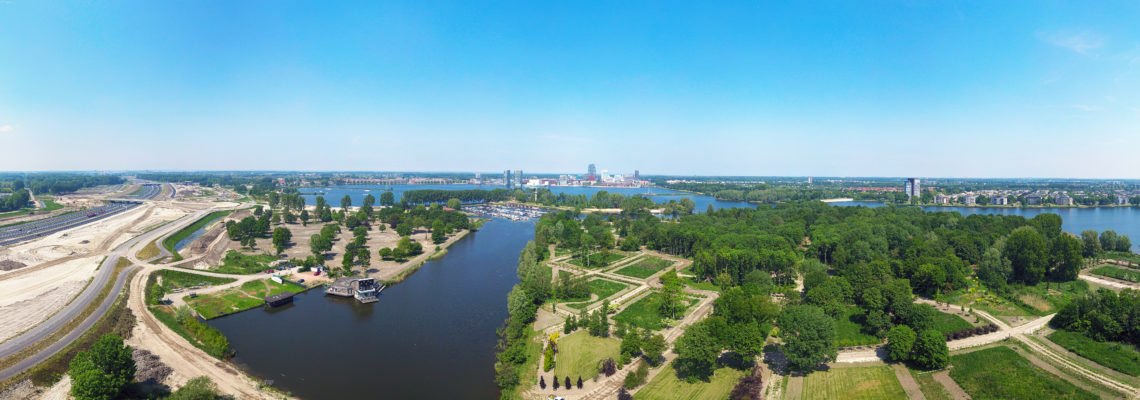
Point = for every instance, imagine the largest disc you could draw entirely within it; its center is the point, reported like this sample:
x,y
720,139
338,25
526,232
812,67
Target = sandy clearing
x,y
31,285
77,241
26,314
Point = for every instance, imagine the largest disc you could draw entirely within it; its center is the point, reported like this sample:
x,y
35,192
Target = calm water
x,y
333,194
195,235
430,337
1123,220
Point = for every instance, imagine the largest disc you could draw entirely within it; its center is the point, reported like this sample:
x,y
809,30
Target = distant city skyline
x,y
985,90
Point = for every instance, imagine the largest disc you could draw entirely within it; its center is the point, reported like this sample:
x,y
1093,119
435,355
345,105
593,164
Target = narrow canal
x,y
430,337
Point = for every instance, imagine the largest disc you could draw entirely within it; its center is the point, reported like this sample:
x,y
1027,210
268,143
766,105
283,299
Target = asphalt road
x,y
73,309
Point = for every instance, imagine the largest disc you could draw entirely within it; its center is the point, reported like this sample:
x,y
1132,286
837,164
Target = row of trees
x,y
15,201
1103,316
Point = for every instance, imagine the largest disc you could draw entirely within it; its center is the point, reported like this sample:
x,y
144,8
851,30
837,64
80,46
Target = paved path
x,y
956,391
907,381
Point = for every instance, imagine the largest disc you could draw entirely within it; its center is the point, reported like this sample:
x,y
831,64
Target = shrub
x,y
750,387
609,367
637,378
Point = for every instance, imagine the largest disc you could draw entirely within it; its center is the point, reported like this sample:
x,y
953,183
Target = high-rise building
x,y
636,175
519,180
592,170
507,178
912,188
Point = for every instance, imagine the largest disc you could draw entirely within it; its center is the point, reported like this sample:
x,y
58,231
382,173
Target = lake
x,y
429,337
333,194
1123,220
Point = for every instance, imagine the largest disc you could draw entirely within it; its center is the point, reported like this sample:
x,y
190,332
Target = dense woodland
x,y
866,262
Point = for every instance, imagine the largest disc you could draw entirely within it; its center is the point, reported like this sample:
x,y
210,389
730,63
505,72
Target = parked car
x,y
300,281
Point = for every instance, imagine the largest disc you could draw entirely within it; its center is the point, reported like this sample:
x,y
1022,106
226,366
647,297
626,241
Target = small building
x,y
970,200
1064,200
999,201
279,299
365,290
1033,200
941,199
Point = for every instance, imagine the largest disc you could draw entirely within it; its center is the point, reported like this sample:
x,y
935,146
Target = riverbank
x,y
392,277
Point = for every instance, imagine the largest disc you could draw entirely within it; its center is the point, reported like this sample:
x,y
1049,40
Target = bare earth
x,y
25,314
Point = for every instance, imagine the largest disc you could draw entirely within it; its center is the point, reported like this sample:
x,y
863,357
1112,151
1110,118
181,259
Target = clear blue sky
x,y
845,88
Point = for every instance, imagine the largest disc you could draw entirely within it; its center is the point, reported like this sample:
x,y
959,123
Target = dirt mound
x,y
8,265
149,368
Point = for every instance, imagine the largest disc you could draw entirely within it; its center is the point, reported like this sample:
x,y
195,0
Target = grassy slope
x,y
1001,373
666,386
1118,356
853,383
579,355
1118,273
187,231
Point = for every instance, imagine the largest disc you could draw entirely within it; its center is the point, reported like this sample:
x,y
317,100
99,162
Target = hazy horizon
x,y
971,90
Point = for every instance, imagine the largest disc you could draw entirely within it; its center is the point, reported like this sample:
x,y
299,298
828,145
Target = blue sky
x,y
912,88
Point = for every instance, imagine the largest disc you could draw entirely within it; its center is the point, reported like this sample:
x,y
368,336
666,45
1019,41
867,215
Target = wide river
x,y
433,335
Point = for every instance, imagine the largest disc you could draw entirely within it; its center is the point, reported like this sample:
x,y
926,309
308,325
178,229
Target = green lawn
x,y
871,383
1118,356
666,386
1118,273
579,355
849,329
930,387
251,294
605,288
645,267
266,287
598,259
190,229
178,279
642,314
701,285
946,322
238,263
1001,373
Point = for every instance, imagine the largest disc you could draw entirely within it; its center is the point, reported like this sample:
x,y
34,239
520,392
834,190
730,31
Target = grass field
x,y
930,387
178,279
666,386
1118,356
642,314
1118,273
238,263
871,383
1001,373
946,323
579,355
605,288
645,267
249,295
190,229
849,329
598,260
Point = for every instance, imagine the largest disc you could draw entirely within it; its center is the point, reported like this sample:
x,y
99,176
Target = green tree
x,y
438,234
930,351
345,202
1090,243
668,297
387,199
281,237
1108,240
1028,254
653,348
305,217
1066,260
404,229
103,371
900,341
454,203
995,270
364,257
697,351
809,336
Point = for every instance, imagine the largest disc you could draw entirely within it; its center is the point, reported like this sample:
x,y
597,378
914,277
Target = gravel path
x,y
956,391
913,392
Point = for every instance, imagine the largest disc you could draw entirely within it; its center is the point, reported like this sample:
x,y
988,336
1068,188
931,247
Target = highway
x,y
73,309
44,227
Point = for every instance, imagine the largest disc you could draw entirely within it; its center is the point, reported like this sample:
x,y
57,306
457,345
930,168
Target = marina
x,y
513,212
